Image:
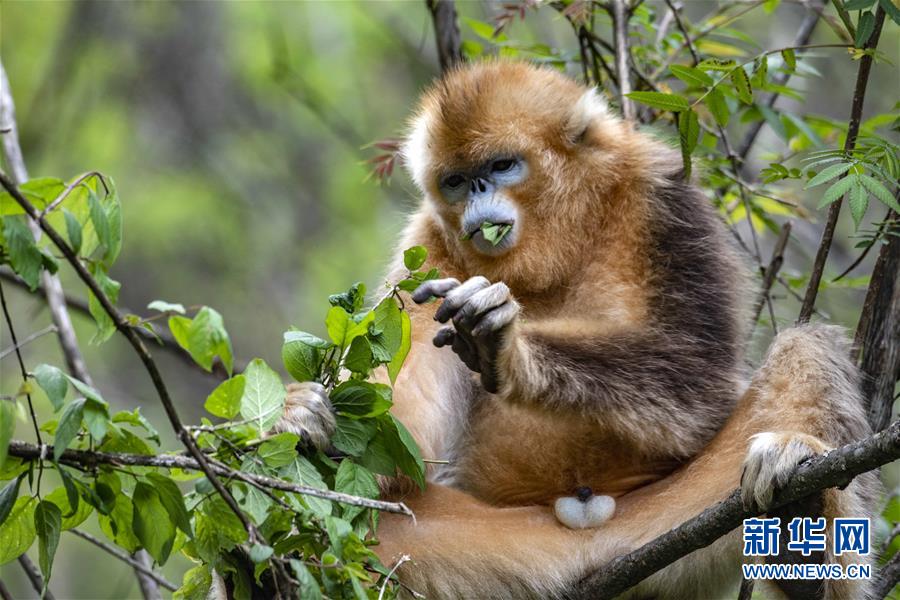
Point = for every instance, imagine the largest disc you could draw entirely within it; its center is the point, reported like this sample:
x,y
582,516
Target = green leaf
x,y
152,524
859,202
279,450
260,553
302,472
410,461
71,492
71,517
172,500
24,256
773,120
100,221
162,306
68,427
405,343
688,133
415,257
356,480
359,357
838,189
864,29
195,584
47,525
742,85
389,322
361,399
660,100
804,127
118,525
204,337
880,192
858,4
302,355
717,106
110,288
338,322
891,9
352,435
309,587
351,300
691,76
7,427
113,210
717,64
136,419
53,382
828,174
17,532
8,497
217,529
263,399
73,230
790,59
225,400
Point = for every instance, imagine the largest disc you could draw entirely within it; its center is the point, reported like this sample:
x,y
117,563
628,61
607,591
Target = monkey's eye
x,y
503,165
453,181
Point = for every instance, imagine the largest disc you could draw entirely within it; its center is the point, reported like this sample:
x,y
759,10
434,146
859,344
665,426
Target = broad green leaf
x,y
790,59
113,209
279,450
225,400
110,288
122,440
742,85
880,192
96,418
351,300
338,322
172,500
8,498
7,427
24,256
359,357
411,461
17,532
216,529
302,472
838,189
828,174
352,435
361,399
71,518
39,190
717,106
71,492
195,584
253,501
73,230
152,524
405,343
691,76
660,100
307,339
53,382
162,306
100,221
760,71
388,322
207,339
47,525
309,587
357,481
263,399
260,553
302,355
118,525
859,202
136,419
68,427
415,257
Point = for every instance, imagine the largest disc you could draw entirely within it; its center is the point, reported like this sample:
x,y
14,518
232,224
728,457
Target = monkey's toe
x,y
771,460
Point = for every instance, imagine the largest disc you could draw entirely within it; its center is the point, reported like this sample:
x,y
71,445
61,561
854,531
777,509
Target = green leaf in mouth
x,y
492,232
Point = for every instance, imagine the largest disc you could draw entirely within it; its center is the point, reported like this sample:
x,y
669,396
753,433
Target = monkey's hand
x,y
308,413
771,460
481,313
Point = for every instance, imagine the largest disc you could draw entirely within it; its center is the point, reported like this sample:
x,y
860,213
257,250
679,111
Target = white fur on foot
x,y
307,413
771,460
577,514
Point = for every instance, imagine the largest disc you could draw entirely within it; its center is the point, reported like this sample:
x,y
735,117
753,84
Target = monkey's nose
x,y
479,185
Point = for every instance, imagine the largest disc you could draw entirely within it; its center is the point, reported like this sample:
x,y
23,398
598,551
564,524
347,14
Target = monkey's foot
x,y
771,460
308,413
584,510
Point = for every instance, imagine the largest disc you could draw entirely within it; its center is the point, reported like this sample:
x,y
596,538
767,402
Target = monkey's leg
x,y
464,548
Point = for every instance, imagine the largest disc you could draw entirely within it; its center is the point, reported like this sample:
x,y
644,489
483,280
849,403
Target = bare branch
x,y
27,340
123,556
771,271
834,469
620,28
446,32
87,458
34,576
834,210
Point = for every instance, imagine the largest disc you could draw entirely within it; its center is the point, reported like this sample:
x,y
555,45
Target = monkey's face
x,y
487,215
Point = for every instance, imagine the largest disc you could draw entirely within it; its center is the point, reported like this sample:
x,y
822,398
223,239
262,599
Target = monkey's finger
x,y
444,337
459,296
496,319
479,303
434,287
466,352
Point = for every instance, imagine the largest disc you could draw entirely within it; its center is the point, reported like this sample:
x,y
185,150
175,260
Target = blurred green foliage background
x,y
258,113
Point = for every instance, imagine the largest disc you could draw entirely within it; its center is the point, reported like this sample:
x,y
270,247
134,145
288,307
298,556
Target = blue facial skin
x,y
485,201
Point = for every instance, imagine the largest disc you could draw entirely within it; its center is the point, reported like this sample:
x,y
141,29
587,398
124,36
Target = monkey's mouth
x,y
490,232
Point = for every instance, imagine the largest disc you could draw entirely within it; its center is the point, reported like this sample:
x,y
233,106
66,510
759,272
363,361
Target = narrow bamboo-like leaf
x,y
828,174
838,189
691,75
405,343
660,100
742,85
717,64
859,202
891,9
715,102
790,59
864,29
879,191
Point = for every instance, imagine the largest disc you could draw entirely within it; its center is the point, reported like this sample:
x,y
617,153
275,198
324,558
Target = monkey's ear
x,y
589,109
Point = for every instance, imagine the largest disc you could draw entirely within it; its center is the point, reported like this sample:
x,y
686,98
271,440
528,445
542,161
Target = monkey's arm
x,y
645,384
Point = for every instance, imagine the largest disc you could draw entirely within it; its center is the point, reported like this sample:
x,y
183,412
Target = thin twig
x,y
37,334
834,469
771,271
446,32
34,576
123,556
834,210
4,592
681,27
136,342
87,458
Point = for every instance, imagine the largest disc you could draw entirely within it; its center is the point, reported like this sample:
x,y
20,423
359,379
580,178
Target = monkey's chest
x,y
515,455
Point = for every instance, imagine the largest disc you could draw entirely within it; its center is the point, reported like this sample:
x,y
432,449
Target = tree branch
x,y
123,556
834,469
34,576
620,29
888,578
770,272
834,210
89,458
135,340
446,32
